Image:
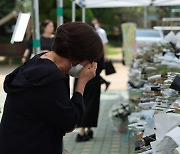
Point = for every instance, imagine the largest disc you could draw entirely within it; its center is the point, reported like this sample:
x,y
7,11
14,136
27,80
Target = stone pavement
x,y
106,139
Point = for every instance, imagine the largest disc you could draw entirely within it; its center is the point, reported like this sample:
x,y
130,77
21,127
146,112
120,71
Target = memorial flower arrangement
x,y
119,116
120,111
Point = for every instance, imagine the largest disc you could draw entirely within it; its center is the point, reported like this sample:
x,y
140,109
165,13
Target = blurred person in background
x,y
38,110
46,40
92,103
103,35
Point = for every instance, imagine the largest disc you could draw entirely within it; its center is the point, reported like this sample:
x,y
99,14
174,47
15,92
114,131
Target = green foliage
x,y
18,5
6,7
112,51
114,17
50,7
106,15
110,18
47,10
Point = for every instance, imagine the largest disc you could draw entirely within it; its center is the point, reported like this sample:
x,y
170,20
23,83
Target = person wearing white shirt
x,y
103,35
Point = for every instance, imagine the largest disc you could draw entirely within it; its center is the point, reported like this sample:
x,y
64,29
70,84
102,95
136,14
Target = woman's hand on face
x,y
88,72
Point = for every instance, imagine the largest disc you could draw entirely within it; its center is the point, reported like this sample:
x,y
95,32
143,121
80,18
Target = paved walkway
x,y
106,139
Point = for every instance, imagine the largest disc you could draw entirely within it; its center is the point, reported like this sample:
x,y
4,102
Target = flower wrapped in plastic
x,y
119,115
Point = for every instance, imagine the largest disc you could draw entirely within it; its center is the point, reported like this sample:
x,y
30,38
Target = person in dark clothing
x,y
103,81
92,102
102,33
38,111
46,40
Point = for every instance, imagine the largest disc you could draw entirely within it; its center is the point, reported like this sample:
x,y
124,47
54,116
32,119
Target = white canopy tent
x,y
166,3
112,3
125,3
120,3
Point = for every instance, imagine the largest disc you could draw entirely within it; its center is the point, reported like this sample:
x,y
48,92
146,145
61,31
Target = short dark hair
x,y
77,41
44,23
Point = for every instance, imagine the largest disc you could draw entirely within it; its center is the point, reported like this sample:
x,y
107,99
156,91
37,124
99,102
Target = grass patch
x,y
115,43
113,50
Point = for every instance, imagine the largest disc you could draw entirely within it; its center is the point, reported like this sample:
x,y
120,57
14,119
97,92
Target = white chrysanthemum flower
x,y
120,111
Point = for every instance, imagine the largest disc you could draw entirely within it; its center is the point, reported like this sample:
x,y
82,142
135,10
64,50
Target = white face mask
x,y
75,70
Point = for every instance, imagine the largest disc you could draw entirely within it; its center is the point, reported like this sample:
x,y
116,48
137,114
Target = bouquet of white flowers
x,y
120,111
119,116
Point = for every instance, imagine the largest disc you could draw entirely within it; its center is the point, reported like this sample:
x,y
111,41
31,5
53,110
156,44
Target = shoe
x,y
107,85
90,134
83,138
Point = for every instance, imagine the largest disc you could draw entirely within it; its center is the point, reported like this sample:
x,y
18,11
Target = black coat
x,y
91,97
38,111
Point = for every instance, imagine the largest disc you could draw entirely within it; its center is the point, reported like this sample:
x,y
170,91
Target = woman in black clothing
x,y
38,111
92,103
46,40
